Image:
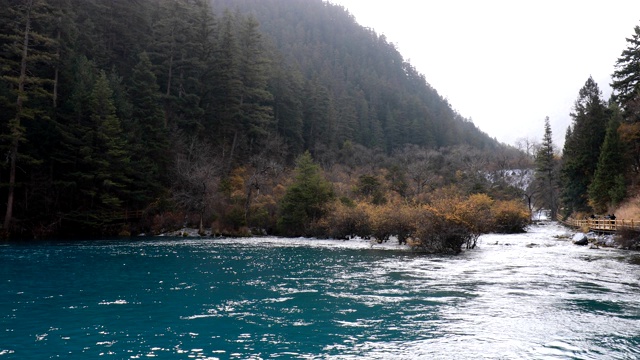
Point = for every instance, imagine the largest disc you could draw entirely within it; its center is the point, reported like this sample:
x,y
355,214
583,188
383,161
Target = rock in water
x,y
580,239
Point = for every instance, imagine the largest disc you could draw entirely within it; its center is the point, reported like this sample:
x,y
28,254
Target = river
x,y
525,296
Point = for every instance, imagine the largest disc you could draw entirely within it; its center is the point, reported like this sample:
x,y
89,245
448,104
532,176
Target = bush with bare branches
x,y
628,238
442,233
344,221
398,220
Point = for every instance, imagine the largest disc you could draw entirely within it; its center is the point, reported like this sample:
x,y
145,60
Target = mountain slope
x,y
367,77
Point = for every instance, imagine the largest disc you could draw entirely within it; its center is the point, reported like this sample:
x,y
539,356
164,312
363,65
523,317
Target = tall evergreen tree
x,y
287,85
226,114
123,29
150,141
112,168
74,129
626,78
626,86
305,199
175,54
582,147
546,173
608,186
254,73
101,174
25,52
195,93
318,115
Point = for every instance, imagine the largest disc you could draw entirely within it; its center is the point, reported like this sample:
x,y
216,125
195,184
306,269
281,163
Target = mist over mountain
x,y
378,98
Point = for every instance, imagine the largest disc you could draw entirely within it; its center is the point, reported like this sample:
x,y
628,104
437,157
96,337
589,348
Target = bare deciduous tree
x,y
264,165
197,175
421,166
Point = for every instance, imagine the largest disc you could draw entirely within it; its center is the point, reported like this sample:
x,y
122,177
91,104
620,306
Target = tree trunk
x,y
170,74
57,70
231,152
12,182
247,203
202,208
168,93
15,131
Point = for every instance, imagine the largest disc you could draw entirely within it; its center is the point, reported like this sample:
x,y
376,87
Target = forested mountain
x,y
116,110
377,99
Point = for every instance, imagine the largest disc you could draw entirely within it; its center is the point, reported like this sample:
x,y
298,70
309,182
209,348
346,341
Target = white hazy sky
x,y
507,64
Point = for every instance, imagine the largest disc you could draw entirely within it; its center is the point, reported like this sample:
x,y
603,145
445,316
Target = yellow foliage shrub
x,y
389,220
509,216
343,221
475,211
447,224
442,233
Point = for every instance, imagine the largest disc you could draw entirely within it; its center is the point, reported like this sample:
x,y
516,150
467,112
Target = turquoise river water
x,y
527,296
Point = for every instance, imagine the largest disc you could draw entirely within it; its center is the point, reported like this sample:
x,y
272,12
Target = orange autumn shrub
x,y
345,221
476,212
449,223
398,220
509,216
441,232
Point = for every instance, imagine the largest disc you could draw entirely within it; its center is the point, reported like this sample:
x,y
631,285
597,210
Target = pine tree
x,y
202,78
176,63
93,158
256,100
582,147
286,85
346,122
112,168
626,86
608,186
305,199
318,115
546,176
74,130
626,78
122,30
225,114
26,51
150,141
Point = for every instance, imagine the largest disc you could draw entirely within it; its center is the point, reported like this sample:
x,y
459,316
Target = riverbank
x,y
620,233
566,233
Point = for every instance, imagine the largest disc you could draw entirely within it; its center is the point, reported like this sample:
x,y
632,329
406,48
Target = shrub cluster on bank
x,y
447,224
343,203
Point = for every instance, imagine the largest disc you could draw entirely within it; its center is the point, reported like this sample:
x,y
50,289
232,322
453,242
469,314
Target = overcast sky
x,y
507,64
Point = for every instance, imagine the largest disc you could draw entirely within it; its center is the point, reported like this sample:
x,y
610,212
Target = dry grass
x,y
629,209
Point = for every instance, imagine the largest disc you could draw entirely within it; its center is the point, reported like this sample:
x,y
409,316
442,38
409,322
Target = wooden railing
x,y
602,224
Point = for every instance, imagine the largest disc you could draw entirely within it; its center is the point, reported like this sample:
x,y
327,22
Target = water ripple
x,y
525,296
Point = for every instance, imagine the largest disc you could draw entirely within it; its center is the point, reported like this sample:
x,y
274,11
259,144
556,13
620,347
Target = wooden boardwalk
x,y
605,225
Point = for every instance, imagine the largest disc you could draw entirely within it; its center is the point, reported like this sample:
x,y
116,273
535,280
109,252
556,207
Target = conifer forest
x,y
259,117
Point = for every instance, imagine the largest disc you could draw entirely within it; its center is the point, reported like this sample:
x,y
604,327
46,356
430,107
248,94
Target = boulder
x,y
610,241
580,239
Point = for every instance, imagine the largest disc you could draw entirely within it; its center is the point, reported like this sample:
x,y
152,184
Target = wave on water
x,y
273,241
116,302
270,297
